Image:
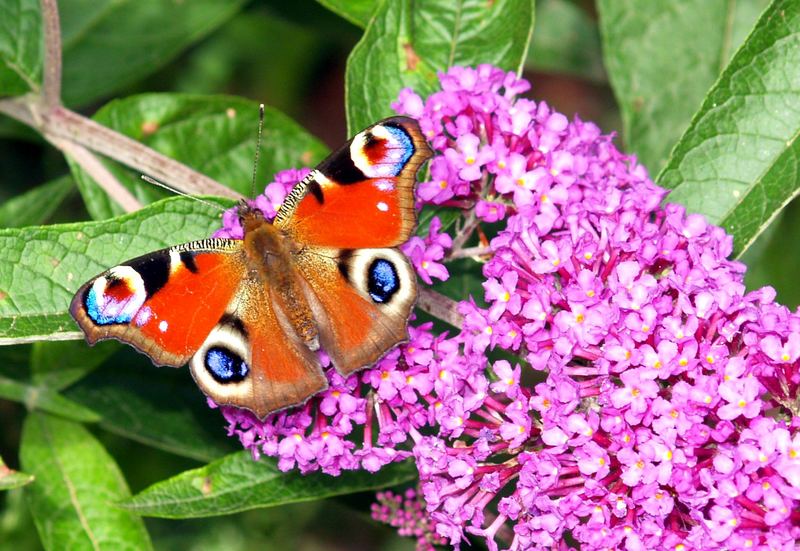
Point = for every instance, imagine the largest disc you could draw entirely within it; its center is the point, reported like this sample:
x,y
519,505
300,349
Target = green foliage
x,y
96,31
707,92
77,483
159,407
171,124
11,479
237,483
20,47
406,43
741,180
565,40
662,58
357,12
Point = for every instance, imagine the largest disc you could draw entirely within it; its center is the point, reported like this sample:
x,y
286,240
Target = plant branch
x,y
470,252
59,124
439,306
51,92
463,234
89,162
63,123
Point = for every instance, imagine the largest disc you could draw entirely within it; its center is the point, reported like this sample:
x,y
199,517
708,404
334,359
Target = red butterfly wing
x,y
164,303
362,196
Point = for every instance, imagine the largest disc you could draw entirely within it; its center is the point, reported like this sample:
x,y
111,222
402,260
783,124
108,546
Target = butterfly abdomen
x,y
270,253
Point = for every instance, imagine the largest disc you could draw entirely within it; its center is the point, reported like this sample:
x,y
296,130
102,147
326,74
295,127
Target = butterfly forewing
x,y
163,303
362,196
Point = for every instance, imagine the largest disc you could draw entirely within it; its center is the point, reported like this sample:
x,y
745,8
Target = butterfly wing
x,y
362,196
253,359
163,303
347,214
198,301
361,299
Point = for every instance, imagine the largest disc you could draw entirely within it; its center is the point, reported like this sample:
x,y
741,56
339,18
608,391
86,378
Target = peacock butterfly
x,y
249,315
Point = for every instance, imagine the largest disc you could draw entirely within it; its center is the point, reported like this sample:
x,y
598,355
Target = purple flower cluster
x,y
644,399
406,512
656,406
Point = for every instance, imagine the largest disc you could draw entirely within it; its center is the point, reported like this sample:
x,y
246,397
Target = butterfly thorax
x,y
270,255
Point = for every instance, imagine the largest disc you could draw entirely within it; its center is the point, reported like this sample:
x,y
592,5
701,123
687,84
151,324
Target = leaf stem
x,y
51,92
89,162
439,306
59,125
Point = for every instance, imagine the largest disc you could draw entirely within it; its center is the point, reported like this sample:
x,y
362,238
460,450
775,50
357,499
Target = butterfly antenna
x,y
155,182
258,146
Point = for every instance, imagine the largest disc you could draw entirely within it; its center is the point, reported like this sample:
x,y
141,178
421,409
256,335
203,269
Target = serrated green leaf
x,y
10,479
357,12
738,162
109,44
237,483
56,365
76,485
37,205
405,44
566,40
41,267
662,57
215,135
21,47
160,407
40,398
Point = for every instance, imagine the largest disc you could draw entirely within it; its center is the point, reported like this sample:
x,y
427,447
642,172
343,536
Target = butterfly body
x,y
250,315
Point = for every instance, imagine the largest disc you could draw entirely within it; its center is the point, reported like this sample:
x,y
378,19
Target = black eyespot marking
x,y
315,190
340,167
154,270
187,259
234,322
344,263
225,366
382,280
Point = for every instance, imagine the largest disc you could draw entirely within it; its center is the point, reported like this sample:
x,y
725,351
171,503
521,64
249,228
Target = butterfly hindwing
x,y
163,303
253,358
363,298
362,196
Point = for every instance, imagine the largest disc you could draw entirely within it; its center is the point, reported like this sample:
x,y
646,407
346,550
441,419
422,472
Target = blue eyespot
x,y
401,157
112,311
382,280
225,366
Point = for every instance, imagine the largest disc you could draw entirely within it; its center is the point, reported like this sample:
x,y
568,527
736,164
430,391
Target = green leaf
x,y
767,261
160,407
37,205
357,12
41,267
215,135
21,47
406,43
447,216
237,483
10,479
662,57
40,398
109,44
566,41
56,365
738,162
77,483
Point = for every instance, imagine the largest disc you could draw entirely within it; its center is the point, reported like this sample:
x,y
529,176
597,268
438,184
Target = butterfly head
x,y
250,216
